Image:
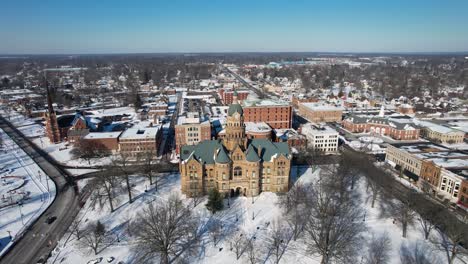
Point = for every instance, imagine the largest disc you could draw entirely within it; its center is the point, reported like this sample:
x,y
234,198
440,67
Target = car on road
x,y
50,219
110,259
95,261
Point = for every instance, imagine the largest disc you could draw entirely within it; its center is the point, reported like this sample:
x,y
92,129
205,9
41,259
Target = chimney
x,y
259,151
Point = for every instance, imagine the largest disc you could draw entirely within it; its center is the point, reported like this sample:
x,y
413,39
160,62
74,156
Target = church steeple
x,y
52,128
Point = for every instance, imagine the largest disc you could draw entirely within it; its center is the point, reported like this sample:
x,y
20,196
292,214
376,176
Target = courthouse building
x,y
235,165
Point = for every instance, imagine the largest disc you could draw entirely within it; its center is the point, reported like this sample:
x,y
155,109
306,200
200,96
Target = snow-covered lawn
x,y
28,187
62,152
252,216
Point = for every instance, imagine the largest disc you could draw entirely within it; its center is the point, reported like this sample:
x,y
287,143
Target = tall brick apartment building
x,y
276,114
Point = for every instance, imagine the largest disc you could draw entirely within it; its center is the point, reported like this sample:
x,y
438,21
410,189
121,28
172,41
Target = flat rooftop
x,y
102,135
322,107
259,127
266,102
140,133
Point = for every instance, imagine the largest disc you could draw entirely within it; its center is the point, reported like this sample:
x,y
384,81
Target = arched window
x,y
237,172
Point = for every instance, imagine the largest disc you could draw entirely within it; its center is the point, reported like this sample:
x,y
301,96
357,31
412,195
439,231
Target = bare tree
x,y
379,248
252,252
296,211
335,224
89,149
95,237
215,230
451,240
122,163
428,218
150,166
278,240
107,181
238,244
426,187
417,254
166,230
403,212
76,229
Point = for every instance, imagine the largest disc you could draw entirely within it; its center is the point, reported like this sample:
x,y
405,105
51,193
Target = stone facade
x,y
235,165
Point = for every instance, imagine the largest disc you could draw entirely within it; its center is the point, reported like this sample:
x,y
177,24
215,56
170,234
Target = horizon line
x,y
241,52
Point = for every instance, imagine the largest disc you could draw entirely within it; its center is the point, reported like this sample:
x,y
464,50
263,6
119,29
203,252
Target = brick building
x,y
135,141
227,95
445,170
191,129
318,113
107,140
235,165
276,114
394,128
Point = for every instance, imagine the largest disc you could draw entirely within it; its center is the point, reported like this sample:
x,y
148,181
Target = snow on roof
x,y
435,127
417,148
315,129
266,102
113,111
140,133
257,127
322,107
450,163
101,135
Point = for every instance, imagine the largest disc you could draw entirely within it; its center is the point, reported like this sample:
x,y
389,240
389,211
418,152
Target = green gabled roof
x,y
211,151
222,156
235,108
252,154
206,151
270,149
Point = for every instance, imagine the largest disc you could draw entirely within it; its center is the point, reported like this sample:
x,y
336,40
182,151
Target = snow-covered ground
x,y
252,216
61,152
28,187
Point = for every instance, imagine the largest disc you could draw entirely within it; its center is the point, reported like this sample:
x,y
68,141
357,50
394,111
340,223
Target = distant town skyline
x,y
86,27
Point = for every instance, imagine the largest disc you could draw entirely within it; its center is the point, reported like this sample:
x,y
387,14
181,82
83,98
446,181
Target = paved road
x,y
258,91
41,237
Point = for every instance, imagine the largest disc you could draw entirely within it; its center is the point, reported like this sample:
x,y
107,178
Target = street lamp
x,y
21,213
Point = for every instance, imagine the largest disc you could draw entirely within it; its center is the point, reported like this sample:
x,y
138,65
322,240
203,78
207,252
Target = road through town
x,y
40,238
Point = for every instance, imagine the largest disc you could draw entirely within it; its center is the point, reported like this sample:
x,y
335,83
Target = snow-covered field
x,y
252,216
61,152
28,186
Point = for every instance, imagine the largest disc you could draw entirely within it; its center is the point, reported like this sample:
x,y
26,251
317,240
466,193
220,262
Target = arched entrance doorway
x,y
236,192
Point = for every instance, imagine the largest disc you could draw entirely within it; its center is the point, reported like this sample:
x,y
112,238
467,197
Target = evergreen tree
x,y
215,201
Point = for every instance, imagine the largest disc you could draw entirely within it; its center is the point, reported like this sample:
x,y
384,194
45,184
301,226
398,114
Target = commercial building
x,y
235,165
105,140
227,95
319,113
444,170
399,129
191,129
440,134
135,141
277,114
321,138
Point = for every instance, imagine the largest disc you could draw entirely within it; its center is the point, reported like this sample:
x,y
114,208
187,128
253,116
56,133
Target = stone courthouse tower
x,y
235,165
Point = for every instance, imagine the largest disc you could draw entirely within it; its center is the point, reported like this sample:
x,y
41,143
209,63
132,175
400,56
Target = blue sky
x,y
105,26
